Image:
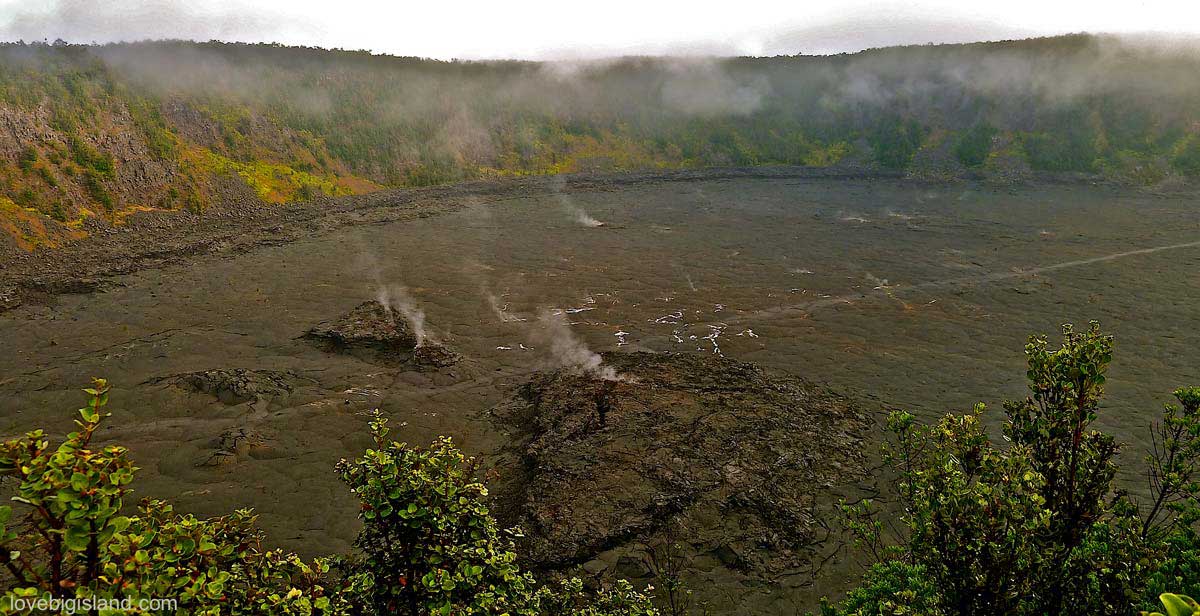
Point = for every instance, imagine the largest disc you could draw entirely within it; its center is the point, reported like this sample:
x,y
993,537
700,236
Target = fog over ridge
x,y
541,30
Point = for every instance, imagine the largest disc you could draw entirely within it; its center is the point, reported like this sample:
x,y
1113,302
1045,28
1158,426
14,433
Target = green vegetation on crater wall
x,y
272,182
105,129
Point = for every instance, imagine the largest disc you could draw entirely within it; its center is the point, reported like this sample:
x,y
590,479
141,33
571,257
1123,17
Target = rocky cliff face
x,y
19,127
82,148
70,182
57,185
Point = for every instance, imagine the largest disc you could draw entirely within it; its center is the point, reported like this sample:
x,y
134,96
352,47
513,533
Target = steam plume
x,y
395,296
577,213
566,350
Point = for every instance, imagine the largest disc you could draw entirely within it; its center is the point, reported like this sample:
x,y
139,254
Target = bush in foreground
x,y
1035,526
1176,605
1031,527
429,545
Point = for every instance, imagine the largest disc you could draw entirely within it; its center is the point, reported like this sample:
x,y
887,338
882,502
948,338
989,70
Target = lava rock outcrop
x,y
371,325
237,386
740,453
381,334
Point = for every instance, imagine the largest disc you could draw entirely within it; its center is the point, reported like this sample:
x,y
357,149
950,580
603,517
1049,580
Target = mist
x,y
396,297
551,334
84,21
354,121
542,30
468,113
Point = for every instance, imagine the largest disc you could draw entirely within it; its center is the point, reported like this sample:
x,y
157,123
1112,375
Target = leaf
x,y
76,538
119,523
1178,605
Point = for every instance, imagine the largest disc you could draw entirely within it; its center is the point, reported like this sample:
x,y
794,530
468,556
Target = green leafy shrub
x,y
895,141
1034,527
67,537
1060,151
94,183
1186,157
27,159
87,157
1179,567
48,177
429,543
1175,512
893,588
975,144
1134,167
26,197
570,599
1176,605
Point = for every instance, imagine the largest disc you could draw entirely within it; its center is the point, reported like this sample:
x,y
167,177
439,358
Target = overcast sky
x,y
554,29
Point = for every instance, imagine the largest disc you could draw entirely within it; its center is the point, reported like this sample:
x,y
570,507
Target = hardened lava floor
x,y
900,295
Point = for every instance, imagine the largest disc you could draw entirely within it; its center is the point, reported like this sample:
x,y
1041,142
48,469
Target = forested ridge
x,y
92,134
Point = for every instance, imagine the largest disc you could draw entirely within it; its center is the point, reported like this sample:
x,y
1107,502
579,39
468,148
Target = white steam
x,y
577,213
583,218
553,333
707,89
396,297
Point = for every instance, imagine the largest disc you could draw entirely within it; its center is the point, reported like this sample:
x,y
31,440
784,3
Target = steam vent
x,y
732,452
381,334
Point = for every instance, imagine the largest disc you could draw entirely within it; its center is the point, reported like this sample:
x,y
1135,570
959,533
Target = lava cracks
x,y
737,454
236,386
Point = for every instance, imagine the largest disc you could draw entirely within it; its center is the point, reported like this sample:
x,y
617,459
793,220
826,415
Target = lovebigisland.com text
x,y
84,605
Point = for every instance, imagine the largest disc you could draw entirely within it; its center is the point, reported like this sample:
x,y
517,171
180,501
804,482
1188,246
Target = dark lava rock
x,y
739,454
382,334
45,292
237,386
235,445
10,298
435,355
370,325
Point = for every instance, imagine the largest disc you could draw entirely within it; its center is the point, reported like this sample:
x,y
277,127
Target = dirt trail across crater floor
x,y
225,403
891,291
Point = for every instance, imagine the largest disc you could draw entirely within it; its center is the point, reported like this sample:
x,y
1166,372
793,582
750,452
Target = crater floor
x,y
900,294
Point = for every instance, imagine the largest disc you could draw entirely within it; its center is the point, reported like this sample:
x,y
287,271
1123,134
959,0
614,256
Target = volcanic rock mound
x,y
433,355
381,334
370,325
739,453
238,385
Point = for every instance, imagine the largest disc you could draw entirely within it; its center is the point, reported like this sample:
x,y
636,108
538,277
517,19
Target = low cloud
x,y
102,21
